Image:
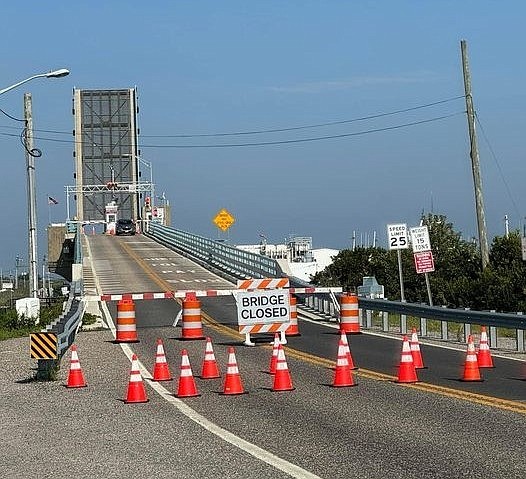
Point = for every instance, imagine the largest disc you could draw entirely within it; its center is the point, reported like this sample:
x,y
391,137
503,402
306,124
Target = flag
x,y
51,201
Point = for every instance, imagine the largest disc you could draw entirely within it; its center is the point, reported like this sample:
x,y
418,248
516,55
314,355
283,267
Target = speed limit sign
x,y
397,236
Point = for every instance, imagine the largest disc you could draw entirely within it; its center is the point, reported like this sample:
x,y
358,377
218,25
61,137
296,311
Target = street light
x,y
62,72
30,161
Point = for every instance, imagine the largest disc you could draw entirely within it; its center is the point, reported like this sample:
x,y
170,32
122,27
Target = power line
x,y
277,130
495,159
270,143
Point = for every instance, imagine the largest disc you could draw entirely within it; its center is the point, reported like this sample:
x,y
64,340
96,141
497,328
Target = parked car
x,y
125,227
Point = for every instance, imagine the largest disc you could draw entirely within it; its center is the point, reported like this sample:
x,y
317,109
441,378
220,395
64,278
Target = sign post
x,y
423,255
397,237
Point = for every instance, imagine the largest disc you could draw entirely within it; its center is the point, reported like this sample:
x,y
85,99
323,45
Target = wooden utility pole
x,y
31,197
475,164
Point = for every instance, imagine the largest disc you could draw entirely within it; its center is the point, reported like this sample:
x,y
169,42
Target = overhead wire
x,y
279,130
270,143
499,168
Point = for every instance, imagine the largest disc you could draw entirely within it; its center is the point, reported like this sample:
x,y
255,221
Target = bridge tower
x,y
106,154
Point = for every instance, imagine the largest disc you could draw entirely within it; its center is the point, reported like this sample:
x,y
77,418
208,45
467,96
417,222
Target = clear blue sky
x,y
236,66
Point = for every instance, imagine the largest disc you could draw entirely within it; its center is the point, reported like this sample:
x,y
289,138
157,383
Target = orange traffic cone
x,y
187,387
233,383
407,371
75,375
136,390
210,369
161,371
282,379
484,358
350,362
342,373
274,357
415,351
471,367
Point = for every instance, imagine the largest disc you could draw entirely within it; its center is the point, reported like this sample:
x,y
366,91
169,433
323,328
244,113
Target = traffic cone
x,y
75,374
415,351
471,367
161,371
484,358
342,373
350,362
274,357
282,379
210,369
136,390
187,387
407,371
233,383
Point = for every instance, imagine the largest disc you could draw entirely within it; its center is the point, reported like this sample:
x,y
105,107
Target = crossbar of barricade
x,y
180,294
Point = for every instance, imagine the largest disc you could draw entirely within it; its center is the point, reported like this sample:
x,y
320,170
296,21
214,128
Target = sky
x,y
384,79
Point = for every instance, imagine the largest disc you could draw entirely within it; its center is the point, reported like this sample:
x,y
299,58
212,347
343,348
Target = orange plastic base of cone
x,y
484,359
136,393
76,379
407,373
187,388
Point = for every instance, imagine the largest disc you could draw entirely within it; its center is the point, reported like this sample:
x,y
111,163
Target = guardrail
x,y
464,317
222,257
65,327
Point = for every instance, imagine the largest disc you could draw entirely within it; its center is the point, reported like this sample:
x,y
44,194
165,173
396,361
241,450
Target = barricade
x,y
349,314
293,329
126,325
192,327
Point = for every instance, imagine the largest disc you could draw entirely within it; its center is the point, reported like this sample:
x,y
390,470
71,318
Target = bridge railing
x,y
382,314
223,257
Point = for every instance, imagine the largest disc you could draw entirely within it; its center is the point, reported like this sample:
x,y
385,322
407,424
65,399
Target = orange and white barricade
x,y
349,314
126,325
192,326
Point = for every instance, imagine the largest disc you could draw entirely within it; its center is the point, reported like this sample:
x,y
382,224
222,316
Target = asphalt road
x,y
439,428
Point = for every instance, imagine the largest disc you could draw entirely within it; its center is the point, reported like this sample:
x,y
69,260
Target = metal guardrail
x,y
487,318
220,256
465,318
67,324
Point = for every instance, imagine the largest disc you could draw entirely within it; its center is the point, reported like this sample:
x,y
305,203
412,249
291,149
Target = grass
x,y
13,326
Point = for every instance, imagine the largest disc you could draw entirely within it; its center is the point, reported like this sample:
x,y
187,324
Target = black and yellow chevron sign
x,y
43,345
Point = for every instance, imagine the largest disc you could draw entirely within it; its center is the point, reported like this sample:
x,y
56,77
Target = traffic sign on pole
x,y
420,239
397,236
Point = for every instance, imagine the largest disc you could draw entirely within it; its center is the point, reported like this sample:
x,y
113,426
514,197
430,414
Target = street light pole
x,y
30,162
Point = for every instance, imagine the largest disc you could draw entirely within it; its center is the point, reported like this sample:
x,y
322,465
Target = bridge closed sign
x,y
263,307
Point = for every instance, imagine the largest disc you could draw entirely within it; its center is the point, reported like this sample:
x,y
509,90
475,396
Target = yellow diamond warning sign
x,y
224,220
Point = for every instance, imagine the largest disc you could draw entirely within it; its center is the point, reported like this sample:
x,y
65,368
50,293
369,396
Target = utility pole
x,y
31,197
475,164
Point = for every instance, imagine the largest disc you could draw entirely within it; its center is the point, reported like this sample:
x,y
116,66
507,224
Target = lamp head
x,y
58,73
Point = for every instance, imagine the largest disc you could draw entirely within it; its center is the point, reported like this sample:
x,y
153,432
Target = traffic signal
x,y
147,202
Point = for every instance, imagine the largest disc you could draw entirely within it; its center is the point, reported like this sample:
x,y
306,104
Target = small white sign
x,y
397,236
263,307
523,243
420,239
